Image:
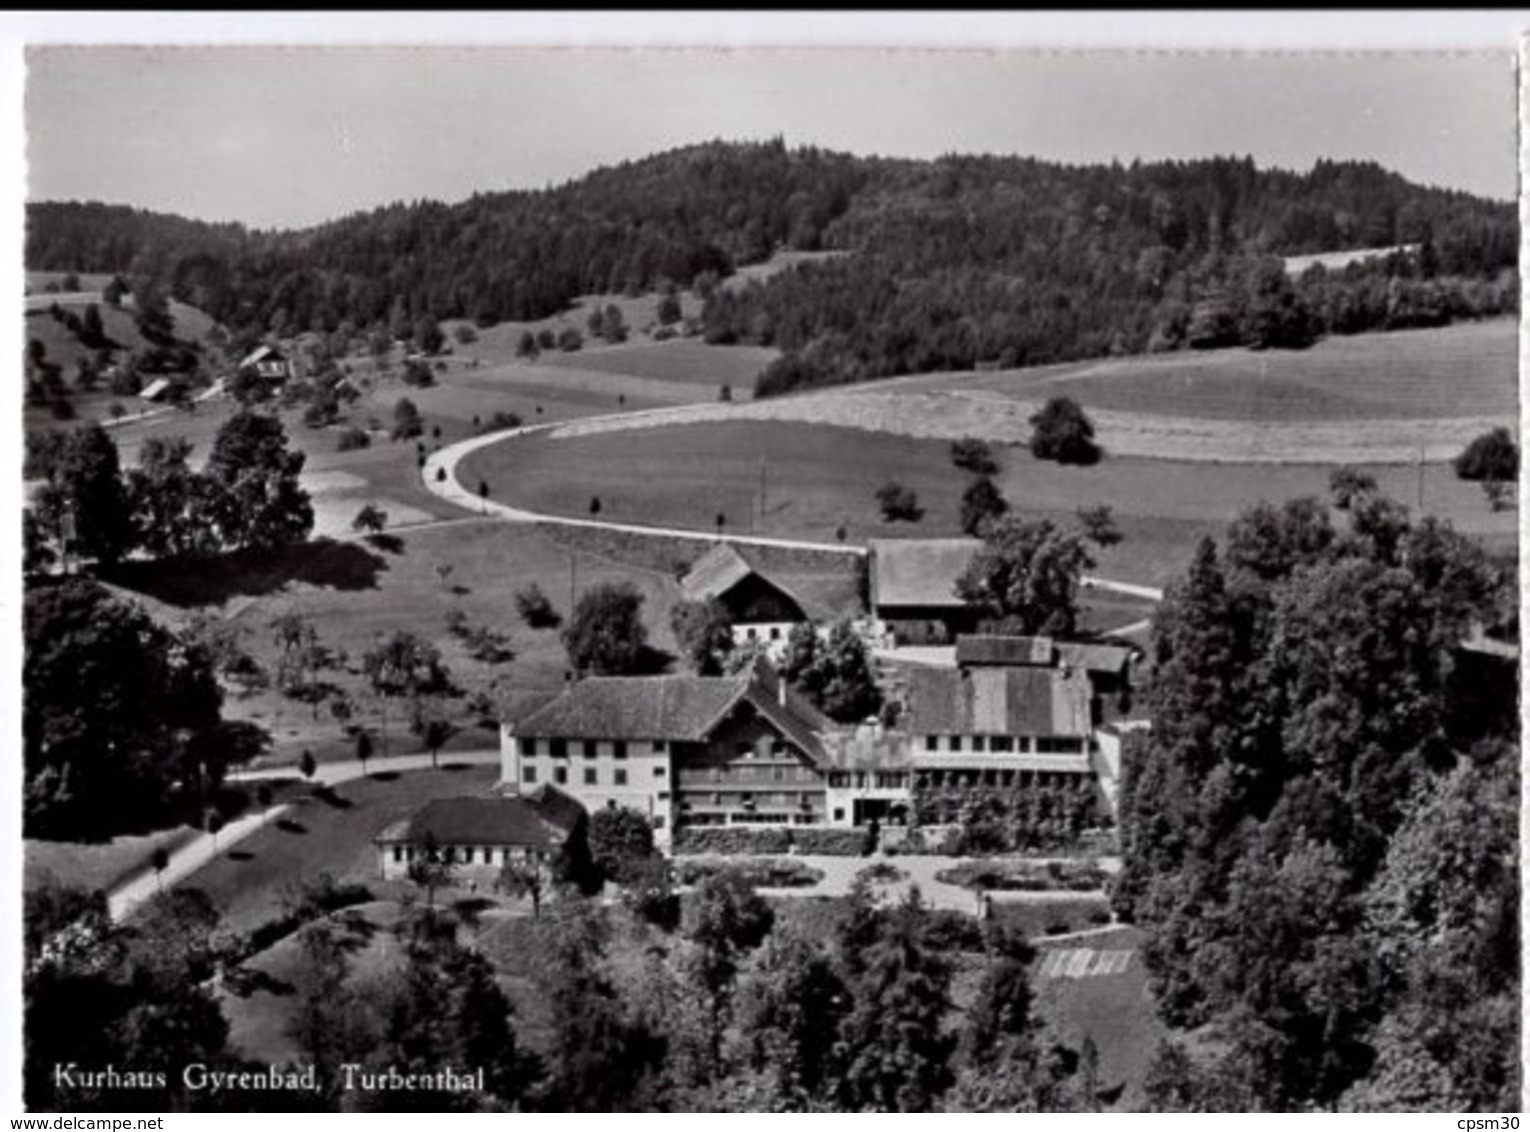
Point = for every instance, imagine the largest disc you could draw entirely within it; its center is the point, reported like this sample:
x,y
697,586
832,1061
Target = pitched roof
x,y
673,708
919,572
151,391
533,821
715,573
722,568
637,707
998,701
996,649
1093,657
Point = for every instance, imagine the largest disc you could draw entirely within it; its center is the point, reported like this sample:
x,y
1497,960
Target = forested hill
x,y
955,262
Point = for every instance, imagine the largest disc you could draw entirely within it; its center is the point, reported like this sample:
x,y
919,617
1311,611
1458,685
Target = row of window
x,y
862,780
591,775
752,819
1044,745
749,801
736,773
558,748
462,855
932,778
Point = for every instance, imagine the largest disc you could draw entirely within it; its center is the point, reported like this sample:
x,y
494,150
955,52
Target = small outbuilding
x,y
479,834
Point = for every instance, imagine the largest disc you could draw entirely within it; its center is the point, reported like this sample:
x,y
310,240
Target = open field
x,y
818,478
678,360
1469,369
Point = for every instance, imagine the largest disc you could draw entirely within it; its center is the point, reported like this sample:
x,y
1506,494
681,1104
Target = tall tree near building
x,y
89,496
605,635
1026,575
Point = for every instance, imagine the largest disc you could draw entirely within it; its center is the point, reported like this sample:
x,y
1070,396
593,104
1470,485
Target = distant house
x,y
479,834
913,589
703,750
156,390
267,363
760,608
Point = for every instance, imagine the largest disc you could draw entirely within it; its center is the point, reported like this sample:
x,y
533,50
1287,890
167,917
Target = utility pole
x,y
1420,477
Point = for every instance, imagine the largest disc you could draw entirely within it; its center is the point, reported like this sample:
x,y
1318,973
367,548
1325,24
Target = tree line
x,y
953,262
1321,829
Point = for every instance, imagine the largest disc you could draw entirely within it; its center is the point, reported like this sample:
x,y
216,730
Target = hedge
x,y
759,874
774,840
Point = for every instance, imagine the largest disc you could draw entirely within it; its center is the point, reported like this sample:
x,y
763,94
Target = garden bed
x,y
759,874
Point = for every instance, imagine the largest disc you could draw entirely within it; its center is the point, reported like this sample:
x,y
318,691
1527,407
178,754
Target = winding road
x,y
449,488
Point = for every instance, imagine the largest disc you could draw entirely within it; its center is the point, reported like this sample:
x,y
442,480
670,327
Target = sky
x,y
287,137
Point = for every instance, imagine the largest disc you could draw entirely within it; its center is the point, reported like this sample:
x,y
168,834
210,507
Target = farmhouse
x,y
479,834
913,589
759,608
267,363
704,750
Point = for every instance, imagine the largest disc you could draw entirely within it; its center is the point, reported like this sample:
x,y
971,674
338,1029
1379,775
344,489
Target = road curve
x,y
448,487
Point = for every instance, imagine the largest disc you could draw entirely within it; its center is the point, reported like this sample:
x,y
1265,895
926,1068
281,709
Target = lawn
x,y
95,865
1469,369
332,833
678,360
818,478
1115,1010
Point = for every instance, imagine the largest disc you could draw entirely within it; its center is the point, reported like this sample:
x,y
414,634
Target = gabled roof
x,y
1004,650
683,709
919,572
998,701
537,821
719,570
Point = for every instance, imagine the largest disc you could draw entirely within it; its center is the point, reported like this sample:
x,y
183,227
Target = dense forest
x,y
953,263
1321,830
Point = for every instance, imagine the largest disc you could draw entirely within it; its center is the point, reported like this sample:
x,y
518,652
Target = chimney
x,y
781,689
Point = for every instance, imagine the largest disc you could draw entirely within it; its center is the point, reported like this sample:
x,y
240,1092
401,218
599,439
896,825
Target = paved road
x,y
451,490
201,849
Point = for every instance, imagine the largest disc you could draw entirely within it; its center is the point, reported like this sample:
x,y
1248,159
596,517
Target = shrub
x,y
1493,456
757,874
535,608
729,839
826,842
502,420
898,503
354,438
1061,432
948,930
975,456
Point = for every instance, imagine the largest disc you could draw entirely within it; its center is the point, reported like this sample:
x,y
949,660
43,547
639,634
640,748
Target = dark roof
x,y
673,708
1094,657
997,701
721,569
994,649
1044,652
538,821
684,708
919,572
715,573
262,354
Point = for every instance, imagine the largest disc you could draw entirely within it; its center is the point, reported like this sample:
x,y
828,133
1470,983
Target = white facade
x,y
634,773
480,863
